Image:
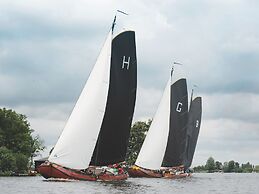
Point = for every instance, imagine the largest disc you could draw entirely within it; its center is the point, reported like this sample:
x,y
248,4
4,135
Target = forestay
x,y
77,141
153,148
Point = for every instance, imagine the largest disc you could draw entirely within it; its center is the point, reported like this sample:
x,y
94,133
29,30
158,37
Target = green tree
x,y
199,169
137,136
21,163
237,167
231,166
247,167
218,166
7,160
16,141
225,167
210,164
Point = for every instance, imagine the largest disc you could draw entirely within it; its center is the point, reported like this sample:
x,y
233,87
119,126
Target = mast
x,y
155,144
78,140
174,153
113,138
114,20
96,150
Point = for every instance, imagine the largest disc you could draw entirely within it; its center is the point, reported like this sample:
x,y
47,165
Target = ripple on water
x,y
199,183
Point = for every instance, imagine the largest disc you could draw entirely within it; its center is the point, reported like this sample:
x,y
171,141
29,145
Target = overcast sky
x,y
48,48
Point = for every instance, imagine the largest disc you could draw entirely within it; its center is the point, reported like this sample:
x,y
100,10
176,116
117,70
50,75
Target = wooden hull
x,y
50,170
135,171
140,172
119,177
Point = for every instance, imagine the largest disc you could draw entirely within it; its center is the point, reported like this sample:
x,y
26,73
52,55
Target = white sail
x,y
152,152
77,141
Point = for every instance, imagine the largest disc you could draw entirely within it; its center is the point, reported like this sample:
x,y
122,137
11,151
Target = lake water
x,y
199,183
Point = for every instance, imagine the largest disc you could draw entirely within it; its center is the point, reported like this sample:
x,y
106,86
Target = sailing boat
x,y
94,141
193,129
164,146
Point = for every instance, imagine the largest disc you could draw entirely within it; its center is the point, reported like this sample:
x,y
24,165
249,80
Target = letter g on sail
x,y
179,107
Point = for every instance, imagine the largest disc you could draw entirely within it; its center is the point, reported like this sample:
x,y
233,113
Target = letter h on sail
x,y
124,62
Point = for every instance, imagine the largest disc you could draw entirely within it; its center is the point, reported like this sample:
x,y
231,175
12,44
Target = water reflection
x,y
59,180
198,183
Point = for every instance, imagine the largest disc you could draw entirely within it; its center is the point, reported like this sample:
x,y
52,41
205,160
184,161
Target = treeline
x,y
227,167
17,144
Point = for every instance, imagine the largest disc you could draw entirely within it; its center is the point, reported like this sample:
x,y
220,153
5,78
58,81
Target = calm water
x,y
198,184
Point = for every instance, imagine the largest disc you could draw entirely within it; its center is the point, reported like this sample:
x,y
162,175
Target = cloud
x,y
147,102
47,120
228,139
48,48
217,41
41,72
240,106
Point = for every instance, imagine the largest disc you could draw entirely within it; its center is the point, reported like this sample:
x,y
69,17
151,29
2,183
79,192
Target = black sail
x,y
193,130
175,149
113,138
